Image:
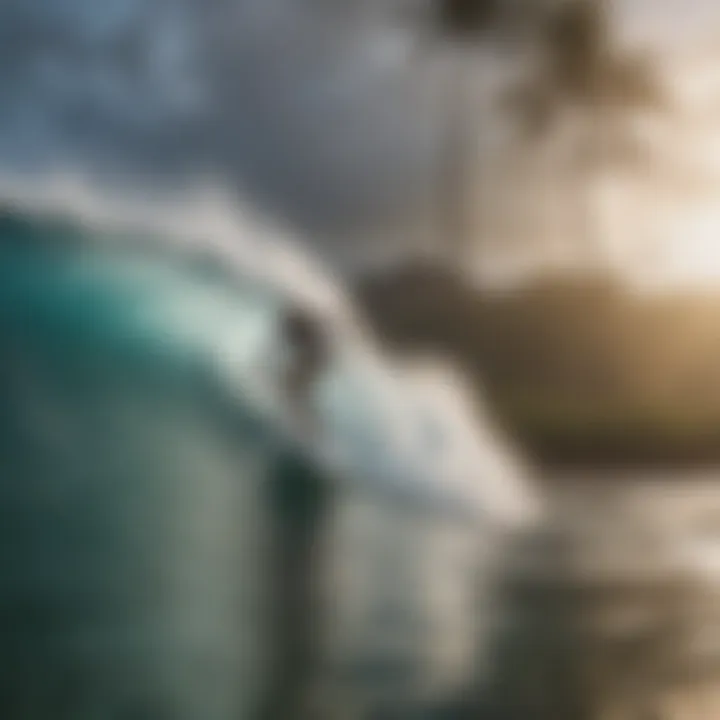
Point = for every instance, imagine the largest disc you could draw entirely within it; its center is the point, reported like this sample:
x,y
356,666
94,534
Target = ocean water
x,y
611,605
144,439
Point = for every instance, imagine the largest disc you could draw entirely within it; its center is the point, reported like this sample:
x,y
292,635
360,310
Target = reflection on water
x,y
613,606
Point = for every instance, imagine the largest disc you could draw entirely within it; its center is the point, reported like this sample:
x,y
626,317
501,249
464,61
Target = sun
x,y
694,247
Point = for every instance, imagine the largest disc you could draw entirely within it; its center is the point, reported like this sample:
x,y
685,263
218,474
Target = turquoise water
x,y
140,437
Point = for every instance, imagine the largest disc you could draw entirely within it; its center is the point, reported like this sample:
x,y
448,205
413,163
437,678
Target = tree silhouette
x,y
464,20
581,69
461,23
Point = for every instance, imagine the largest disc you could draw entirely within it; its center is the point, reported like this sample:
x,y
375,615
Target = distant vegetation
x,y
582,370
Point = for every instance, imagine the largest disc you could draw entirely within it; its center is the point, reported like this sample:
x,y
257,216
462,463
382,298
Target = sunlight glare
x,y
694,250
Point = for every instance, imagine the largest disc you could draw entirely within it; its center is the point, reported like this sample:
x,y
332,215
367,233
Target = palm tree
x,y
463,24
581,69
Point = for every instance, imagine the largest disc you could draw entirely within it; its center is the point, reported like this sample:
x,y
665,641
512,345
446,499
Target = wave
x,y
142,428
160,244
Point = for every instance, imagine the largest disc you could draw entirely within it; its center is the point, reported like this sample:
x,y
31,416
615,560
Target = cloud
x,y
327,114
308,107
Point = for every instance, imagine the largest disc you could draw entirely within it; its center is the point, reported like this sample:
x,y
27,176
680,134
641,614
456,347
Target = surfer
x,y
308,356
301,502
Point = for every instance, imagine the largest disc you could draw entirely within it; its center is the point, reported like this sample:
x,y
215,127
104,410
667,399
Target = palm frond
x,y
631,81
577,46
465,19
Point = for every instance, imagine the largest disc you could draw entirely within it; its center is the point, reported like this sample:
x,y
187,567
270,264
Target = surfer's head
x,y
307,344
307,341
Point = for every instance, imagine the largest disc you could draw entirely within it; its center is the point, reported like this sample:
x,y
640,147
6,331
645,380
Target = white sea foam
x,y
414,421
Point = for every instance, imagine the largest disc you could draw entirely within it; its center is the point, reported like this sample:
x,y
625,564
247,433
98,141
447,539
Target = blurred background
x,y
561,154
528,188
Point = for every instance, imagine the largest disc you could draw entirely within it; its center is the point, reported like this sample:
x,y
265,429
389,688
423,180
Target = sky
x,y
327,114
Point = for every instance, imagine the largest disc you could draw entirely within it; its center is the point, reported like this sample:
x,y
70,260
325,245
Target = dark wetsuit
x,y
299,497
299,501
